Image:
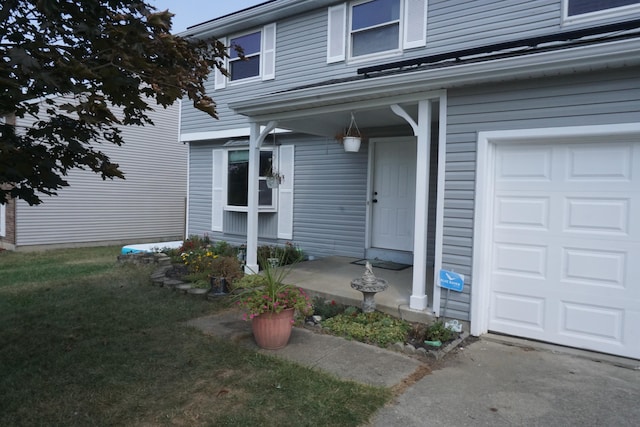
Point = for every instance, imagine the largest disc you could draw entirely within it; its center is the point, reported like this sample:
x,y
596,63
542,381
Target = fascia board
x,y
606,55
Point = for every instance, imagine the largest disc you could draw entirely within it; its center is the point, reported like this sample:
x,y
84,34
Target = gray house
x,y
501,141
148,206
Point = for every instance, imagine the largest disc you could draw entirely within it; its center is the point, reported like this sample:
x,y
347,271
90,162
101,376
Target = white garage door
x,y
565,256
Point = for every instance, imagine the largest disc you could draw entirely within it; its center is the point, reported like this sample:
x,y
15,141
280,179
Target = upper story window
x,y
259,63
375,27
579,10
369,29
249,66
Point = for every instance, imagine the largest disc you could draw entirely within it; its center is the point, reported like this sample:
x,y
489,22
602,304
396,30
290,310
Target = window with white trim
x,y
249,65
238,180
375,27
258,62
369,29
577,10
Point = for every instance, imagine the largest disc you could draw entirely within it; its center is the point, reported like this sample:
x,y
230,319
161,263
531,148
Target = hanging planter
x,y
274,179
351,143
352,138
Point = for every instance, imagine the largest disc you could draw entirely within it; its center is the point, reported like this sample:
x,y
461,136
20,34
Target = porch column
x,y
419,299
255,142
422,131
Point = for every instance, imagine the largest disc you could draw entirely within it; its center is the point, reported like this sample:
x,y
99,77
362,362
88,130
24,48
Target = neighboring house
x,y
147,206
503,144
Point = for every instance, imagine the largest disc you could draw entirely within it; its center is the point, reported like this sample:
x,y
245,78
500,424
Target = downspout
x,y
256,138
422,130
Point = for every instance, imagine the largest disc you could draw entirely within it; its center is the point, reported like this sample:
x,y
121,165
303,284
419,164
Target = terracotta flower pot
x,y
272,330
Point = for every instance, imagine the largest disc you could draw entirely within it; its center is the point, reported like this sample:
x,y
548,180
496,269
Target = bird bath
x,y
369,285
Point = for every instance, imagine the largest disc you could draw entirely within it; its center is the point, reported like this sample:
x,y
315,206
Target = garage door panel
x,y
591,322
520,260
604,216
518,311
585,162
565,255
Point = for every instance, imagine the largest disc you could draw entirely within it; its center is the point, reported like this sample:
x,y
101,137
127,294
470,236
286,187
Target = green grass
x,y
85,341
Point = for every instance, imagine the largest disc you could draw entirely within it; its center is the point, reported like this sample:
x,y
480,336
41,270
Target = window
x,y
578,7
375,27
250,66
238,179
259,49
369,29
579,10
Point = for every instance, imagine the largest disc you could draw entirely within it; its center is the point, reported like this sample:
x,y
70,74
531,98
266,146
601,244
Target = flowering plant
x,y
266,293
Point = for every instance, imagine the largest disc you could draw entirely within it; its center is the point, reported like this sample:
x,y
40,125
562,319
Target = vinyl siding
x,y
147,206
301,44
586,99
329,198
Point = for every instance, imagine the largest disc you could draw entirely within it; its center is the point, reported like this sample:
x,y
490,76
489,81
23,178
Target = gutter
x,y
565,61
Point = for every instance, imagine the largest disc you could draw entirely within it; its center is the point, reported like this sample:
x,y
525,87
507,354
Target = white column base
x,y
418,302
251,269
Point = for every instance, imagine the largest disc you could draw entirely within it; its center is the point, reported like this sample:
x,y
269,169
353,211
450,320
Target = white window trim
x,y
267,57
413,14
615,12
376,55
229,61
225,167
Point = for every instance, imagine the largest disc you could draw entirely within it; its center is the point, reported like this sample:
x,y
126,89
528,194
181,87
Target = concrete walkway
x,y
484,383
493,384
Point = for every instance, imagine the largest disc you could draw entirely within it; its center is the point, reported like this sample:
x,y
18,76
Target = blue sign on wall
x,y
451,280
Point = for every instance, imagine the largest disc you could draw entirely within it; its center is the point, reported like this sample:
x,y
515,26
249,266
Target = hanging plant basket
x,y
272,182
351,144
352,138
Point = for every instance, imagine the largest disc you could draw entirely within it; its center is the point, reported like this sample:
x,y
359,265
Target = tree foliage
x,y
93,66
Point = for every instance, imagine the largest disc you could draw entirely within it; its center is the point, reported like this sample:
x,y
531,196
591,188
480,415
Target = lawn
x,y
86,341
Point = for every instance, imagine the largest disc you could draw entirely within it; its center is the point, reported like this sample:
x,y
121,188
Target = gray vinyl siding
x,y
330,195
329,198
301,43
574,100
147,206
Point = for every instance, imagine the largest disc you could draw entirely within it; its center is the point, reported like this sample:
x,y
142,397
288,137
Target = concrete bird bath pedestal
x,y
369,285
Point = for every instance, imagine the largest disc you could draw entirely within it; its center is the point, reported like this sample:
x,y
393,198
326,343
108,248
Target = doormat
x,y
387,265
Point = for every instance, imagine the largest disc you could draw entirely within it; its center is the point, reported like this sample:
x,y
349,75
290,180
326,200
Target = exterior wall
x,y
147,206
573,100
329,198
301,48
8,241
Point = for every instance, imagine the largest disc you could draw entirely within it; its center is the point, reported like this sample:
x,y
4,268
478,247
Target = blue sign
x,y
451,280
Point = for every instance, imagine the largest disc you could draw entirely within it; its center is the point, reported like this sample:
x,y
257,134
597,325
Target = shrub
x,y
438,332
226,266
287,254
327,309
372,328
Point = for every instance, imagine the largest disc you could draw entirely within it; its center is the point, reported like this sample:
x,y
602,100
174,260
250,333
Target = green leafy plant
x,y
271,295
438,332
372,328
287,254
327,308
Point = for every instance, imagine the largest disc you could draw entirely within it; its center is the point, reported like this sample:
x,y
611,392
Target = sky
x,y
191,12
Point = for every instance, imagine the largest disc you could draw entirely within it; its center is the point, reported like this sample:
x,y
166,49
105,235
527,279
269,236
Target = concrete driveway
x,y
490,383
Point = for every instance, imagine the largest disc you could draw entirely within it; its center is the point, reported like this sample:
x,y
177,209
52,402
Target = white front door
x,y
565,255
393,198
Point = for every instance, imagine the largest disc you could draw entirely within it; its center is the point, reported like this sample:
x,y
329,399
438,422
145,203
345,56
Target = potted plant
x,y
270,304
274,178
